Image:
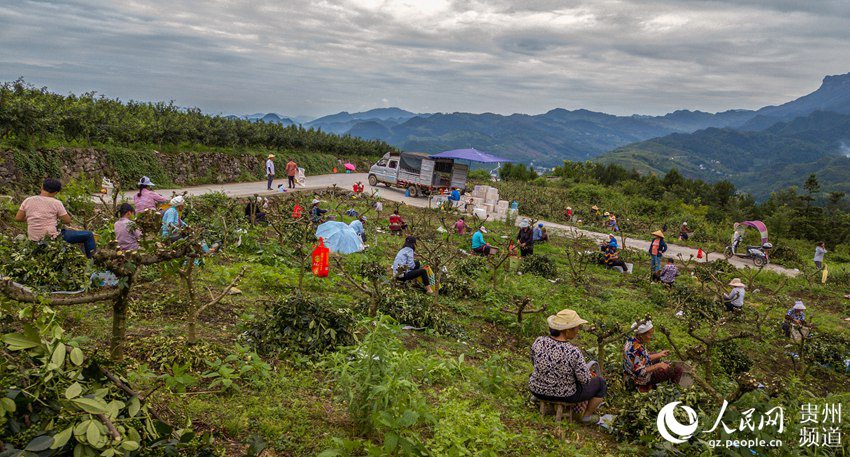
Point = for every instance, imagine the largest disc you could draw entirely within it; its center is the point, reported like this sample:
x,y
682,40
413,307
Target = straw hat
x,y
483,229
799,305
523,223
316,201
569,207
271,156
606,213
177,201
594,207
736,282
565,320
658,233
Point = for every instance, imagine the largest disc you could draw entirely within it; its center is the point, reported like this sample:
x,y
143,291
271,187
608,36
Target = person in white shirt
x,y
820,250
270,171
734,300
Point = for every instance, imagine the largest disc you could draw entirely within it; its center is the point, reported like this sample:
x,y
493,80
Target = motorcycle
x,y
758,254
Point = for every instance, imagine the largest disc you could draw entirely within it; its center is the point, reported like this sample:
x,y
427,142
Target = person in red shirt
x,y
291,171
397,224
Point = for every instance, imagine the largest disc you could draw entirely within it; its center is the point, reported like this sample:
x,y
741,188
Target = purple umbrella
x,y
471,154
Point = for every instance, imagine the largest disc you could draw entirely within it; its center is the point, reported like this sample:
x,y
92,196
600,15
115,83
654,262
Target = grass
x,y
297,410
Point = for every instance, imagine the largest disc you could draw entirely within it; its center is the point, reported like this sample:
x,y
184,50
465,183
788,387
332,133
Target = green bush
x,y
539,265
376,378
731,358
302,324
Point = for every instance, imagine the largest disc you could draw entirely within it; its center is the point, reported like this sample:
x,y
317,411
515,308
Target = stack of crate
x,y
486,200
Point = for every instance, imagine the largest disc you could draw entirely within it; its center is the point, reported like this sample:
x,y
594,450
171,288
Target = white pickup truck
x,y
418,172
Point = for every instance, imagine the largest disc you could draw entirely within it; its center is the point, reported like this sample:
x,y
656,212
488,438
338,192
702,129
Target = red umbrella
x,y
349,166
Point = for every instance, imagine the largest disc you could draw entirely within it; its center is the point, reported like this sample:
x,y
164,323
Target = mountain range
x,y
756,149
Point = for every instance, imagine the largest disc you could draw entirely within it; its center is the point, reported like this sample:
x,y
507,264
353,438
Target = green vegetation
x,y
758,162
644,203
46,134
295,366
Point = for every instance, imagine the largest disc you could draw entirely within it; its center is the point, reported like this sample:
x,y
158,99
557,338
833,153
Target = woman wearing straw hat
x,y
560,371
734,300
657,248
795,318
644,368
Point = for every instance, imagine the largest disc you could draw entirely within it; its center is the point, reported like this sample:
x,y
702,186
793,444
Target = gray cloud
x,y
316,57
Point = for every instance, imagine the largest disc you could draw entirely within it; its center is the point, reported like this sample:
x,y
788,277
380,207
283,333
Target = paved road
x,y
345,181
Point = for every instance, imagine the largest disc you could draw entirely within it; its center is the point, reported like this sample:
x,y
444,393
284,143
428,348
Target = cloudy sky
x,y
314,57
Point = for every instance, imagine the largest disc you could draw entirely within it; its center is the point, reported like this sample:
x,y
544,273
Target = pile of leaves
x,y
49,265
539,265
304,324
416,309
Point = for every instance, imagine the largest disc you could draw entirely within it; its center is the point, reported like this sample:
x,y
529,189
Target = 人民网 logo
x,y
671,429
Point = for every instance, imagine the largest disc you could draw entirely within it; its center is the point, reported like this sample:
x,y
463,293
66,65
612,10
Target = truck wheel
x,y
414,191
373,180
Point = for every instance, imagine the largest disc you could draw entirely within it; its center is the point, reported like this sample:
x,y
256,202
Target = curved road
x,y
345,181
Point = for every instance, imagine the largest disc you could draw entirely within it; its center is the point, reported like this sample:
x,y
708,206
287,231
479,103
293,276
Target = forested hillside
x,y
758,162
35,117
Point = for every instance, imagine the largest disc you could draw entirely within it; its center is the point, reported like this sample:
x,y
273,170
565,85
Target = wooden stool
x,y
559,407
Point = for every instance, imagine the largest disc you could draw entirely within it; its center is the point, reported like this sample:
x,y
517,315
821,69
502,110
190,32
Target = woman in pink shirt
x,y
43,212
147,199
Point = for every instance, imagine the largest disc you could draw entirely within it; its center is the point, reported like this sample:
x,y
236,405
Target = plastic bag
x,y
321,263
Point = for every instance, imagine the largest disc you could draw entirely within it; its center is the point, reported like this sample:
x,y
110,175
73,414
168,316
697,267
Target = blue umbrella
x,y
339,237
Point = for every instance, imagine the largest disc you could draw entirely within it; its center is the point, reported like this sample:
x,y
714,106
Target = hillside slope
x,y
755,161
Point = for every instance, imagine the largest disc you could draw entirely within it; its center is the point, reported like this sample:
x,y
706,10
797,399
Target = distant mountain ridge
x,y
779,146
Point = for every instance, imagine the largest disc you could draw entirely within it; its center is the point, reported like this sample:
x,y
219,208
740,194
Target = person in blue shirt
x,y
455,196
171,221
540,234
612,241
479,246
406,268
357,226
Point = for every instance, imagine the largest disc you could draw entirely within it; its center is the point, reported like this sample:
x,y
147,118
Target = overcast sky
x,y
314,57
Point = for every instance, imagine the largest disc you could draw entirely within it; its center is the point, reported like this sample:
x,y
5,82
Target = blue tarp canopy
x,y
471,154
339,237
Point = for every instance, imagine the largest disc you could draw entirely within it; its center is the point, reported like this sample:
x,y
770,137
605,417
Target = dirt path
x,y
345,181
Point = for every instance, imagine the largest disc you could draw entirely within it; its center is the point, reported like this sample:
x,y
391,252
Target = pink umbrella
x,y
349,166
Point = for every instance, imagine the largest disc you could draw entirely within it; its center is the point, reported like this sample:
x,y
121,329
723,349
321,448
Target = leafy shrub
x,y
376,380
829,350
465,428
48,265
471,266
415,309
303,324
731,358
539,265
